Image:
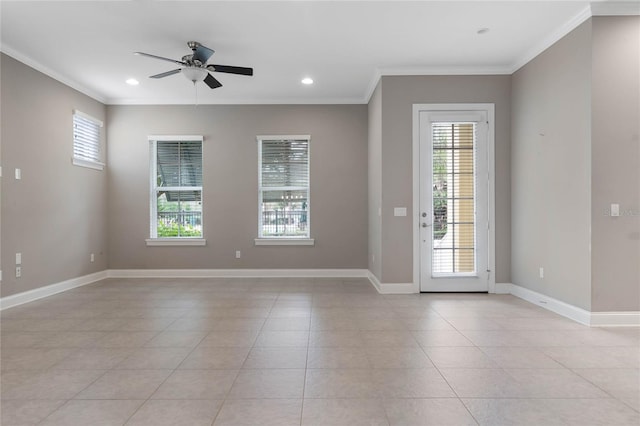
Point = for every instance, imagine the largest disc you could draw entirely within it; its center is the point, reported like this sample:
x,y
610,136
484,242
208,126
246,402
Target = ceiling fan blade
x,y
202,53
212,82
159,57
166,74
230,69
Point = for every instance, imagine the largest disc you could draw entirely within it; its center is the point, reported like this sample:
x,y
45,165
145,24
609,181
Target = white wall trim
x,y
374,281
392,288
229,101
50,290
615,8
397,288
445,70
594,319
284,241
554,305
164,242
618,319
237,273
373,83
9,51
502,288
552,38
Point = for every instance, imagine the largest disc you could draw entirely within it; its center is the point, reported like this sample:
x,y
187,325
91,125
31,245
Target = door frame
x,y
489,108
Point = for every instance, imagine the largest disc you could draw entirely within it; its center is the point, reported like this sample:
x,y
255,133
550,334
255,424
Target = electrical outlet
x,y
18,258
238,254
541,272
93,257
18,271
615,210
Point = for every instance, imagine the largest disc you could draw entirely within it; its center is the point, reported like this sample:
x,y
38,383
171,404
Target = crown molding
x,y
596,8
615,8
250,101
9,51
421,71
552,38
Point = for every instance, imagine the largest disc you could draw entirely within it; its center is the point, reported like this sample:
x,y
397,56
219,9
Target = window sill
x,y
88,164
285,241
155,242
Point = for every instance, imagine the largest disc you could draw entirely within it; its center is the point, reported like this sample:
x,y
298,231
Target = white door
x,y
454,191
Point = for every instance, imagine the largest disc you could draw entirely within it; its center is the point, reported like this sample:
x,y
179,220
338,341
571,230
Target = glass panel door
x,y
453,198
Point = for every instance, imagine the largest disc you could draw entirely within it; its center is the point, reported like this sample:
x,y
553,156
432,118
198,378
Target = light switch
x,y
400,211
18,174
615,210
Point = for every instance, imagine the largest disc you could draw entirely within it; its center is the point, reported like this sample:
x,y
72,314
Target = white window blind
x,y
176,187
87,148
454,198
284,187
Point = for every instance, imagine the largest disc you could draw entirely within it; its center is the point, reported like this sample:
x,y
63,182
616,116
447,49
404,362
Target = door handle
x,y
424,225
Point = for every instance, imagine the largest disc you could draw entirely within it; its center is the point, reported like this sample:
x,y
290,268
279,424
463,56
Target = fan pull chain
x,y
195,86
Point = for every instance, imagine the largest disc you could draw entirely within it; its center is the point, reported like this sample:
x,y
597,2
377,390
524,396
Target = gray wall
x,y
338,214
375,182
616,163
550,169
399,94
56,215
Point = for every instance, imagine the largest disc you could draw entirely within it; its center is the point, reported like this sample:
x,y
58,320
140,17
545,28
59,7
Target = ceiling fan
x,y
194,66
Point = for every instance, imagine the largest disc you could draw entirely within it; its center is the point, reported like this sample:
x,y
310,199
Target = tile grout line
x,y
172,371
306,361
224,400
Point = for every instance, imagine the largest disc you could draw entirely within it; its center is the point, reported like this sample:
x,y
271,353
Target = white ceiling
x,y
344,46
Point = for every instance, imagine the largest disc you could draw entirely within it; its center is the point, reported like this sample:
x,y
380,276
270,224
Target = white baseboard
x,y
595,319
391,288
237,273
554,305
502,288
50,290
374,281
592,319
615,319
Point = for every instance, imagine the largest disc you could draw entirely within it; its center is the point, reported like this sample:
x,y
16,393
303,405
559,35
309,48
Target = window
x,y
86,141
454,198
176,190
283,190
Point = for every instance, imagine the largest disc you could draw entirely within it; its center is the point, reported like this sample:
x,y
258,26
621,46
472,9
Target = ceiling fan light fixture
x,y
195,74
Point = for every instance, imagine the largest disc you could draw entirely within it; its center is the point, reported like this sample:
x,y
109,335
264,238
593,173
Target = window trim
x,y
283,240
153,207
83,162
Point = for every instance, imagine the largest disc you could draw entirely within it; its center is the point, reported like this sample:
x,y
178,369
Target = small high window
x,y
87,135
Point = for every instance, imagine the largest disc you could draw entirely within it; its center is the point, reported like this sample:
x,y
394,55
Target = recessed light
x,y
132,82
307,80
482,31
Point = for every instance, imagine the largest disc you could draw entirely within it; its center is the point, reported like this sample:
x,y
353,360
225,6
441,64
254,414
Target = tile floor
x,y
307,352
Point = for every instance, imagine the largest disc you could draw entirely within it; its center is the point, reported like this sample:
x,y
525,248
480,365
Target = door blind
x,y
454,224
